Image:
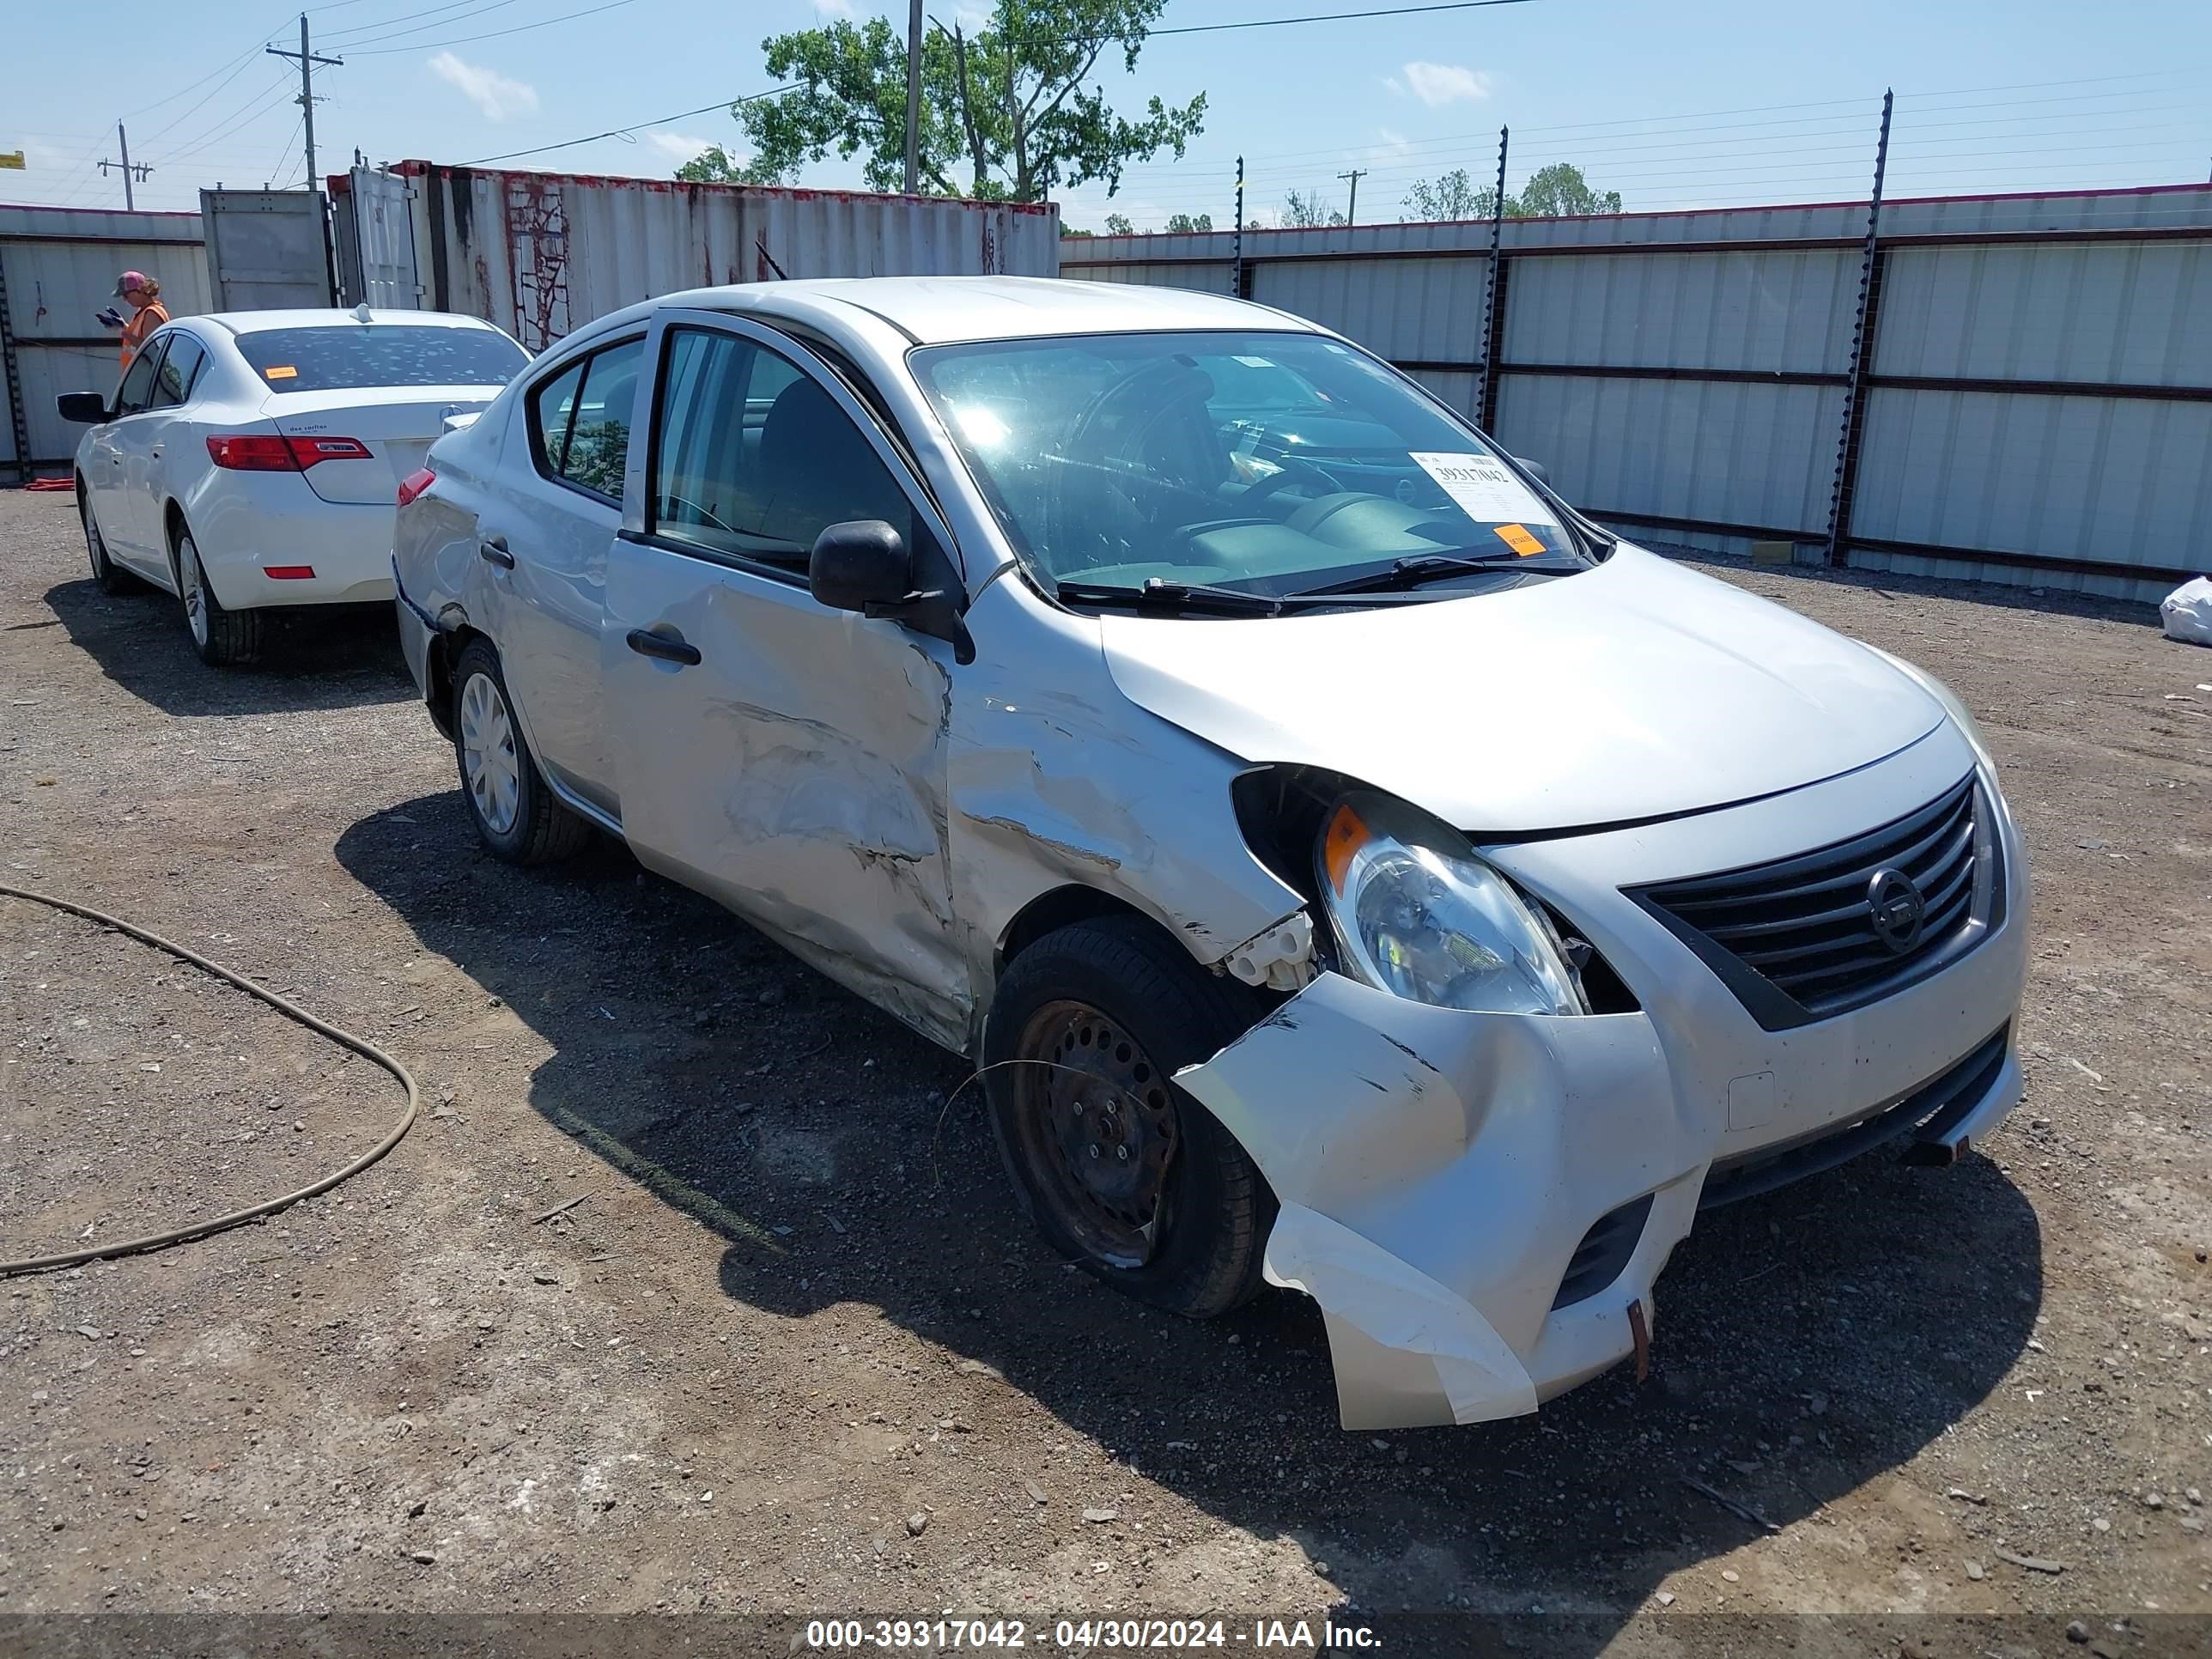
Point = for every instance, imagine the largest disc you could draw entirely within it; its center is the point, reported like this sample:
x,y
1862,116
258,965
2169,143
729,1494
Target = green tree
x,y
1551,193
1005,113
1305,209
713,166
1117,224
1559,190
1187,222
1452,195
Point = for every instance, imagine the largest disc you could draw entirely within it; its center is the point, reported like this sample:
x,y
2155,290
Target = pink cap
x,y
129,280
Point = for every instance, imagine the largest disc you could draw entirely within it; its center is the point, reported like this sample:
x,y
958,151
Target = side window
x,y
754,457
180,368
580,419
137,388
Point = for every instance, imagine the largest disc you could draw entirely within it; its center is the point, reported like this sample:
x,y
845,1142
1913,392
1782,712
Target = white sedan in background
x,y
252,459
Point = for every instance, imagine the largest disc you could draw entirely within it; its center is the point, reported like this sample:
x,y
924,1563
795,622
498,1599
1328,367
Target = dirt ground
x,y
792,1353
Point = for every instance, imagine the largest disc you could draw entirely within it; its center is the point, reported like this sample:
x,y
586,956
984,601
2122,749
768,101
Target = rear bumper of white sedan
x,y
252,524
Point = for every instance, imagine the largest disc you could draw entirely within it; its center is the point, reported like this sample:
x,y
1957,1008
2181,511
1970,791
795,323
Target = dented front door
x,y
785,758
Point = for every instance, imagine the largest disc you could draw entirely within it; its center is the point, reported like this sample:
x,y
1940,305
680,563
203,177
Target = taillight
x,y
414,483
266,452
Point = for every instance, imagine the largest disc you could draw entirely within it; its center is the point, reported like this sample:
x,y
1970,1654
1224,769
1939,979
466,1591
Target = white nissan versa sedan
x,y
1351,868
249,457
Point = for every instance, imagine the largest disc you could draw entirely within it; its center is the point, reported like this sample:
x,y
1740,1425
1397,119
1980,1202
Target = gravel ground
x,y
792,1352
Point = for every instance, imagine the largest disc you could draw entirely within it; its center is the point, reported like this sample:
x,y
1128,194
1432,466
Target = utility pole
x,y
308,61
1351,209
913,97
123,145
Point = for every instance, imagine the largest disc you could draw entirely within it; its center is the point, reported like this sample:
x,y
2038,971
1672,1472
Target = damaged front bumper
x,y
1480,1202
1439,1171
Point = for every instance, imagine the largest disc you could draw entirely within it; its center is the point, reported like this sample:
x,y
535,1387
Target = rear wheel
x,y
224,639
1119,1168
516,816
114,580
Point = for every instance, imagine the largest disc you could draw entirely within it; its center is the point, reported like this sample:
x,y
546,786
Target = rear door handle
x,y
667,648
494,548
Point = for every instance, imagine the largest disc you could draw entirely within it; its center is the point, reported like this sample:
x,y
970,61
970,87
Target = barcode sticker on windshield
x,y
1482,488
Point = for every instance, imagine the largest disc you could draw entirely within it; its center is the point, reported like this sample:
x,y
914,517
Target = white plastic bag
x,y
2188,611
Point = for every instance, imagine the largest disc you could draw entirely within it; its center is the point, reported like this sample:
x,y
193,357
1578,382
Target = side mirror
x,y
85,408
861,565
1534,470
864,565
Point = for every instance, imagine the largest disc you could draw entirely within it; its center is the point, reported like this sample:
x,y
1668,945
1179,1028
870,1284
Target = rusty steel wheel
x,y
1121,1170
1097,1129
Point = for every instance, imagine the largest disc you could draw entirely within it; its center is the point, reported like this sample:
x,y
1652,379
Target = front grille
x,y
1604,1251
1797,940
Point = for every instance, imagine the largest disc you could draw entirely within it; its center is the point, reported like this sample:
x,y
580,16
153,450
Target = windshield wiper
x,y
1413,572
1157,594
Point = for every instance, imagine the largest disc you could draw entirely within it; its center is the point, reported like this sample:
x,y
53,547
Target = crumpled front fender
x,y
1436,1170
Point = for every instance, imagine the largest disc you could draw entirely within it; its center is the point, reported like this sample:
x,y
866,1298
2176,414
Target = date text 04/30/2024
x,y
1088,1635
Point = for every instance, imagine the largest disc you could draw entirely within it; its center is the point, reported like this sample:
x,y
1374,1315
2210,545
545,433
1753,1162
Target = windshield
x,y
348,354
1265,463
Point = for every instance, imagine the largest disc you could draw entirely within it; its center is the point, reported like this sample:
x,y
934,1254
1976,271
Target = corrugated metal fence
x,y
57,266
2036,406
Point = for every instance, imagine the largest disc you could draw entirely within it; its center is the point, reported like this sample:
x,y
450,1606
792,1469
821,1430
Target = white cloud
x,y
1388,146
496,96
681,147
835,8
1435,84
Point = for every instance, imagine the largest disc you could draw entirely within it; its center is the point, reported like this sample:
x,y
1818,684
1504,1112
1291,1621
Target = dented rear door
x,y
788,759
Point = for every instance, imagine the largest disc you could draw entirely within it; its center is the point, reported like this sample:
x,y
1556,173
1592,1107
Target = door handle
x,y
667,648
493,549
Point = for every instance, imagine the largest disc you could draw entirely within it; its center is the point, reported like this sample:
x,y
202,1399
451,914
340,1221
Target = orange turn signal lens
x,y
1346,834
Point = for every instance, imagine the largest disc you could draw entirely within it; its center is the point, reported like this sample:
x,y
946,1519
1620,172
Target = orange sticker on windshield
x,y
1517,538
280,372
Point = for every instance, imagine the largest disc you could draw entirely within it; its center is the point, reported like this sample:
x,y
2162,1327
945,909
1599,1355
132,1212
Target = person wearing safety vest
x,y
148,313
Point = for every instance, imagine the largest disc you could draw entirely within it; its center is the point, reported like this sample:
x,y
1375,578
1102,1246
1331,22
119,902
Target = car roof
x,y
939,310
256,322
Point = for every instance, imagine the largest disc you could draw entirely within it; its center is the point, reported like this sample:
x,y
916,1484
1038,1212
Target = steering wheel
x,y
1257,493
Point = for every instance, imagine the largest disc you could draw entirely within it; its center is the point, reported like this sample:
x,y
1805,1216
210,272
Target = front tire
x,y
224,639
113,580
516,815
1119,1170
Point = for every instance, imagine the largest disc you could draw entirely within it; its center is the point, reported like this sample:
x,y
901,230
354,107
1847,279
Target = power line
x,y
466,9
635,126
1326,17
520,28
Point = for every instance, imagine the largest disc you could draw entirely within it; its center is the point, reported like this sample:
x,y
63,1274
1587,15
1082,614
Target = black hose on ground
x,y
291,1010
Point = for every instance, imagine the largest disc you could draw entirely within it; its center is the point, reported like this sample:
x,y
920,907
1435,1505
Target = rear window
x,y
380,354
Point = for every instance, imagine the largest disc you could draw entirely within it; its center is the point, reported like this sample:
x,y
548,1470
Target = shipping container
x,y
57,269
267,250
541,253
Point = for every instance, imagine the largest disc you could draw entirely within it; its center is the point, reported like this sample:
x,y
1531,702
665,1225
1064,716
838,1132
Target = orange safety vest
x,y
149,317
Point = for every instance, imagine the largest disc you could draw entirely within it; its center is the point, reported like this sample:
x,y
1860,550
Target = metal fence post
x,y
1870,268
1493,310
1237,246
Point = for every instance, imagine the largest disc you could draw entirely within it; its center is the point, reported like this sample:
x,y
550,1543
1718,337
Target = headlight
x,y
1416,912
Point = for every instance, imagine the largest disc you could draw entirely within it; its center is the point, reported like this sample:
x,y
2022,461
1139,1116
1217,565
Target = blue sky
x,y
1709,102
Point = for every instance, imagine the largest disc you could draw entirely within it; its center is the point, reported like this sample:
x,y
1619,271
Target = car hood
x,y
1633,690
